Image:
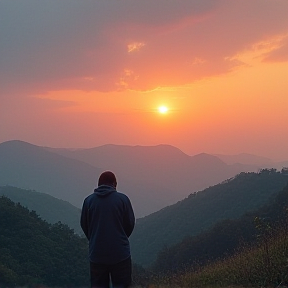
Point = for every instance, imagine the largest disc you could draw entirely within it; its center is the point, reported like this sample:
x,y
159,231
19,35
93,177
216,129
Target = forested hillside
x,y
201,211
225,238
249,252
47,207
35,252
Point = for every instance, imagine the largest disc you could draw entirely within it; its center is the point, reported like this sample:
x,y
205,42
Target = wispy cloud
x,y
135,46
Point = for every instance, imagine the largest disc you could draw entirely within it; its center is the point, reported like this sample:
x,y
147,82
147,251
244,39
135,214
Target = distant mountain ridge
x,y
152,176
253,160
174,173
32,167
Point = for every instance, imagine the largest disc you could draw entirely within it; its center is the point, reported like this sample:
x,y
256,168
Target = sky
x,y
81,74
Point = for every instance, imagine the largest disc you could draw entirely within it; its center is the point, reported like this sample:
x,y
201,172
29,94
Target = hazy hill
x,y
153,177
162,164
161,173
31,167
252,160
245,158
201,211
46,206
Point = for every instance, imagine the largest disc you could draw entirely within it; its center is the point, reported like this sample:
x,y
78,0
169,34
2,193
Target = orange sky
x,y
88,73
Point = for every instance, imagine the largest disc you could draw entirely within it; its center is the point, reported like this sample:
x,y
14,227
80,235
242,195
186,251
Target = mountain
x,y
227,237
163,165
200,211
152,176
245,158
252,160
36,168
159,174
31,167
35,253
46,206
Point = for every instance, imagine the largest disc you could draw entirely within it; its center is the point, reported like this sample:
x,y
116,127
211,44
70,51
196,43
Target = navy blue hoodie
x,y
107,219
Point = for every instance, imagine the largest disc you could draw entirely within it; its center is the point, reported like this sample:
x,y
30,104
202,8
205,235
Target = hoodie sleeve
x,y
84,219
129,219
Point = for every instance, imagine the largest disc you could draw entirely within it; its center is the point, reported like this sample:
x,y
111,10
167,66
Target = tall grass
x,y
263,265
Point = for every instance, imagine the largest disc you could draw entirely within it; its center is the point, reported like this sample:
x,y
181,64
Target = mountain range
x,y
32,250
152,176
201,211
253,160
189,217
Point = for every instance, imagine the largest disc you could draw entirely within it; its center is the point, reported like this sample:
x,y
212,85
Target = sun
x,y
162,109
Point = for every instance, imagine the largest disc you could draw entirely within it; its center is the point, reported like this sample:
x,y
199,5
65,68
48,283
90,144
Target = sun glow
x,y
162,109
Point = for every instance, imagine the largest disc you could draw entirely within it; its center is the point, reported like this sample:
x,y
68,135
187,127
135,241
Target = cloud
x,y
279,53
135,46
83,45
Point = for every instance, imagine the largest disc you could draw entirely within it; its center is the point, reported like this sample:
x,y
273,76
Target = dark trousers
x,y
119,273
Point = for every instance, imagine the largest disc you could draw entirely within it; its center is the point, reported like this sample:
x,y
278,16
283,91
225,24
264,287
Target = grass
x,y
263,265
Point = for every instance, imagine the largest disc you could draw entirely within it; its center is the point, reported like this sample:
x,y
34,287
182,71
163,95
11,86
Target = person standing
x,y
107,220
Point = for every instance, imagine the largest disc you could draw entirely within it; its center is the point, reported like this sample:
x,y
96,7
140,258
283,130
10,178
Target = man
x,y
107,219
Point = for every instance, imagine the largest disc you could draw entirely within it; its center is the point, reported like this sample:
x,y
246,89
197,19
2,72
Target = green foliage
x,y
201,211
7,276
263,262
218,242
35,252
263,265
47,207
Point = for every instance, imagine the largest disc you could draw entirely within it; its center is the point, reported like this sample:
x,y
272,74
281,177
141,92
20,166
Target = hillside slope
x,y
254,160
164,165
162,173
28,166
199,212
33,252
46,206
227,237
152,176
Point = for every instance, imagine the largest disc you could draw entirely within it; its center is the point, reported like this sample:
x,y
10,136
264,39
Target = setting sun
x,y
162,109
151,81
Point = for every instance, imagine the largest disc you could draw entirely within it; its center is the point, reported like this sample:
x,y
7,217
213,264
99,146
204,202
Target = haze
x,y
88,73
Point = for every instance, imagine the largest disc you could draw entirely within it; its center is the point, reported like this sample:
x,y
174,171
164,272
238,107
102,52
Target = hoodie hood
x,y
104,190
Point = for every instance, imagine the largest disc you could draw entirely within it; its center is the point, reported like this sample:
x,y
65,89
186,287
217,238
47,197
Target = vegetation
x,y
35,252
264,265
201,211
46,206
223,239
249,251
260,262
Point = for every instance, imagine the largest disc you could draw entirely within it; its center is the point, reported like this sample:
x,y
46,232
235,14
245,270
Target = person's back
x,y
107,219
